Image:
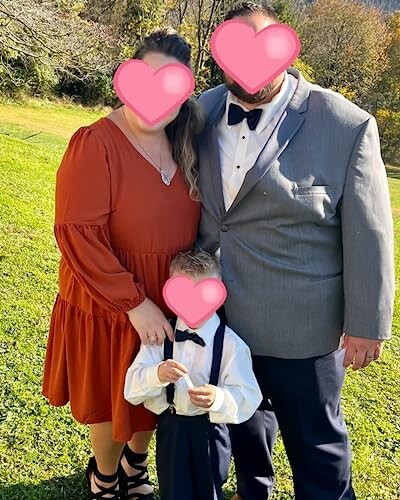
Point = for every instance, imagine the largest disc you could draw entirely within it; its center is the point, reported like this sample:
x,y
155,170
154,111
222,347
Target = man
x,y
296,203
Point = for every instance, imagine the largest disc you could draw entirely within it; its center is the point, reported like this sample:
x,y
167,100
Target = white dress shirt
x,y
237,395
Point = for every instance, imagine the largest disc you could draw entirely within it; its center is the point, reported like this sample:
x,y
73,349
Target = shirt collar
x,y
206,330
266,115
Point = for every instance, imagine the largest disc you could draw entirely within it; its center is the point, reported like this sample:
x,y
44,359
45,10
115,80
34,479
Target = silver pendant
x,y
165,178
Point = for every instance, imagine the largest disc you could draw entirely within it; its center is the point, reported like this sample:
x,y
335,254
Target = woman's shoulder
x,y
90,144
94,133
103,129
94,144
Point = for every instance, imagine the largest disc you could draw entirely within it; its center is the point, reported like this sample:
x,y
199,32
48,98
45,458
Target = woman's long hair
x,y
183,131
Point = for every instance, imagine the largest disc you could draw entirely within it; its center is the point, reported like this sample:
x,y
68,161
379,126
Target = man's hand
x,y
171,371
202,396
360,352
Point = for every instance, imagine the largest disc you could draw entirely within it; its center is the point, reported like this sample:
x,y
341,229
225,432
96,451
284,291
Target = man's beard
x,y
244,96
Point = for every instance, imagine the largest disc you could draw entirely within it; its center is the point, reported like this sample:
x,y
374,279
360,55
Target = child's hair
x,y
195,262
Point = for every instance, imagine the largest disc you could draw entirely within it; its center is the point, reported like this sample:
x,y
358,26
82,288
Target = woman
x,y
126,204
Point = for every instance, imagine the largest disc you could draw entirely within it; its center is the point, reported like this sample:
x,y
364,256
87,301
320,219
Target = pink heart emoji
x,y
153,94
254,59
194,302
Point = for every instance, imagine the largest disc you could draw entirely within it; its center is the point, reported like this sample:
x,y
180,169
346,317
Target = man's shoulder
x,y
335,106
209,97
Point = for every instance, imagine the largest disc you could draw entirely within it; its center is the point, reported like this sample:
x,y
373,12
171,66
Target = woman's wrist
x,y
132,309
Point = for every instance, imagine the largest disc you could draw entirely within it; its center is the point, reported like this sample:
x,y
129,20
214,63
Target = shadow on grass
x,y
71,487
393,172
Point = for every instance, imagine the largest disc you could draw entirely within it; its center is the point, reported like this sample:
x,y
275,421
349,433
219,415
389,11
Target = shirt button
x,y
224,228
243,137
237,166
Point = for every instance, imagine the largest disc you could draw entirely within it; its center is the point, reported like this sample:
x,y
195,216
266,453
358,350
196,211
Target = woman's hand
x,y
150,323
171,371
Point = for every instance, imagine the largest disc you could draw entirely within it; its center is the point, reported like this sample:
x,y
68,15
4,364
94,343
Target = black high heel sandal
x,y
111,490
128,482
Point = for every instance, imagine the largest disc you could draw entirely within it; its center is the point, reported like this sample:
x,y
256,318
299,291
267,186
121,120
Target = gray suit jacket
x,y
307,245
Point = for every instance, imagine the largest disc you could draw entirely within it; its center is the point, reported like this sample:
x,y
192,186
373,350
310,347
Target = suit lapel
x,y
210,171
209,146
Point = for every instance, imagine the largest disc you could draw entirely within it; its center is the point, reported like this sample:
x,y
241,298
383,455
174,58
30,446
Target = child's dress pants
x,y
193,457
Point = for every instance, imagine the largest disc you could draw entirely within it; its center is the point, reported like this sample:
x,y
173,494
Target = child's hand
x,y
202,396
171,371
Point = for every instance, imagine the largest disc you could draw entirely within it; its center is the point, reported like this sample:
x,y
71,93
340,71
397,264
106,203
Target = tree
x,y
346,44
387,94
290,11
39,41
200,18
388,88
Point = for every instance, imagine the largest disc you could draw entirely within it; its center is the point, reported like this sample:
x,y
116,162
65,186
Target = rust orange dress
x,y
118,226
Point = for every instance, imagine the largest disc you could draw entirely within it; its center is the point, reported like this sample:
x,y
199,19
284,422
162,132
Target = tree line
x,y
73,47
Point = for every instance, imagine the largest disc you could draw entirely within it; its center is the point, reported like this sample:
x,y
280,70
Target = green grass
x,y
43,451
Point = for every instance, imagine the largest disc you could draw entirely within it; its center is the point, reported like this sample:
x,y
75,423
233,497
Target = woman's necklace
x,y
164,177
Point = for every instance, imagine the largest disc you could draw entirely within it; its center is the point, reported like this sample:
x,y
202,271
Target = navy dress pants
x,y
302,397
193,457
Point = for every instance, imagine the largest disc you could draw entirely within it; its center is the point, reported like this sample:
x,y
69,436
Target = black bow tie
x,y
236,114
181,336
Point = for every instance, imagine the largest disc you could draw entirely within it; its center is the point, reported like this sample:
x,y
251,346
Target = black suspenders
x,y
215,364
217,353
168,350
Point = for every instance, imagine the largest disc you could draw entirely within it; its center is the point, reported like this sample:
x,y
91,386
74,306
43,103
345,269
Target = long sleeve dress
x,y
118,226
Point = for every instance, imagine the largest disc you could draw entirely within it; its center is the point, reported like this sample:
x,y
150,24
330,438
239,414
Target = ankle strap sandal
x,y
106,493
136,480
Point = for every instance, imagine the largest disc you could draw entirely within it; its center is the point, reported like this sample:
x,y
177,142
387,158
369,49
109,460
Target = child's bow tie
x,y
181,336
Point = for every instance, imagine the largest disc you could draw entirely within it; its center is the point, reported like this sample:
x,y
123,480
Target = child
x,y
193,448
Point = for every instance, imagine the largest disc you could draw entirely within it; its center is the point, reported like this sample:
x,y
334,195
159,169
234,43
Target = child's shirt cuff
x,y
152,379
218,401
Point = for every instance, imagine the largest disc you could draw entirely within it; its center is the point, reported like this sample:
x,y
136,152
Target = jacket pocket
x,y
314,203
311,190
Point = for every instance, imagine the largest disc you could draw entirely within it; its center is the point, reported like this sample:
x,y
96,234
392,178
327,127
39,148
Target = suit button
x,y
224,228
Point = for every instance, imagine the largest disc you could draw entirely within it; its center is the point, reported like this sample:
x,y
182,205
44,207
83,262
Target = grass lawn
x,y
43,452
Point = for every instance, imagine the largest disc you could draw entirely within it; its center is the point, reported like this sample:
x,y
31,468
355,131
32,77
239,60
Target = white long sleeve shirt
x,y
237,395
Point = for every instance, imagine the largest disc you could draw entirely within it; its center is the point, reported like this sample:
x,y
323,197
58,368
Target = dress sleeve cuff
x,y
218,401
136,301
152,379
